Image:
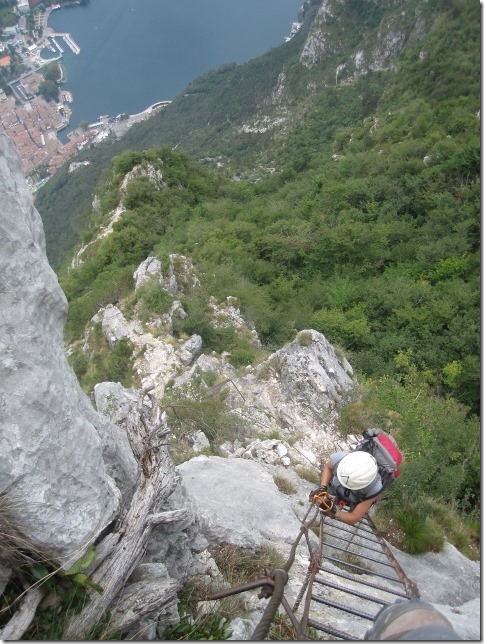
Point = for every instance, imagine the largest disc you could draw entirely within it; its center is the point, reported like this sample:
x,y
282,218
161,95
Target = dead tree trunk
x,y
157,478
22,619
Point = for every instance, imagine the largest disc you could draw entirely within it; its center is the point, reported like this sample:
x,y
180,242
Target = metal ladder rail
x,y
307,621
272,584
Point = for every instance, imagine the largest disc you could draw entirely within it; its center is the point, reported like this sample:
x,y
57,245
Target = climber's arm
x,y
356,514
327,473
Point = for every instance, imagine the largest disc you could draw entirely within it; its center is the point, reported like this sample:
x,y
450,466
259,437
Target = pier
x,y
69,40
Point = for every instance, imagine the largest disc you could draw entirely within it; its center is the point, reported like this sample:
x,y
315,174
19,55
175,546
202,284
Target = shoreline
x,y
43,130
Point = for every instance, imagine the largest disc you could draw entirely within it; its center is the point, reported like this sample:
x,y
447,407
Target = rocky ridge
x,y
294,396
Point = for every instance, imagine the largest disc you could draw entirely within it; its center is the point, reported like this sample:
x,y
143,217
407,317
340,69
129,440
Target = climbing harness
x,y
365,577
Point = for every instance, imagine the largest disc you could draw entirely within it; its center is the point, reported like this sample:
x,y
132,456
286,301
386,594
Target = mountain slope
x,y
366,228
257,116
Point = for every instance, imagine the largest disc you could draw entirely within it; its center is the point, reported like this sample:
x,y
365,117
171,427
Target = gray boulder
x,y
238,502
52,454
190,349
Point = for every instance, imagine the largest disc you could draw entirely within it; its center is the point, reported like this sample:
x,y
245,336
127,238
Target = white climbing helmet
x,y
357,470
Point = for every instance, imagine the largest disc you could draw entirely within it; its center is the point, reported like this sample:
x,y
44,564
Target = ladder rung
x,y
345,575
351,591
360,556
363,570
355,534
331,631
358,545
345,609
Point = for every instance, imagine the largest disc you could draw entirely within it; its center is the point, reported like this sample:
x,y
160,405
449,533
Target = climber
x,y
348,480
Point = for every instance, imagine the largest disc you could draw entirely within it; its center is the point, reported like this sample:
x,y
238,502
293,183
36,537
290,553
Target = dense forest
x,y
362,222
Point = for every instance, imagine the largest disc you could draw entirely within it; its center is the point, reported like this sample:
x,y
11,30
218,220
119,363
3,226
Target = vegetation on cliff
x,y
368,232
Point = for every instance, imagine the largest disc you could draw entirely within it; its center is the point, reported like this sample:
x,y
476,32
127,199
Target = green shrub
x,y
79,363
457,529
304,338
420,533
273,434
190,409
202,627
151,300
107,365
66,592
353,419
242,354
350,328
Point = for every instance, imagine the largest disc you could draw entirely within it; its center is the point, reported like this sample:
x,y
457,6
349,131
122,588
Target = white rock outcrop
x,y
237,502
298,392
180,275
52,465
151,267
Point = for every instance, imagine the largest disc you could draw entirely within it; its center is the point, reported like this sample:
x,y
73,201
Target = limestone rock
x,y
148,269
145,170
198,441
465,619
433,570
237,502
115,326
156,359
181,275
203,364
52,454
228,315
190,349
297,391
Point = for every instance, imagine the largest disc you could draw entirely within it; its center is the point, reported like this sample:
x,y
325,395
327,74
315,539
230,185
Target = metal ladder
x,y
353,577
341,593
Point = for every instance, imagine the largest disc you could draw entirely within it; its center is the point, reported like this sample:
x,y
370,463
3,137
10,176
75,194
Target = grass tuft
x,y
284,485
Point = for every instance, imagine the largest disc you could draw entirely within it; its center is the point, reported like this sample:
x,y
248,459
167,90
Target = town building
x,y
23,6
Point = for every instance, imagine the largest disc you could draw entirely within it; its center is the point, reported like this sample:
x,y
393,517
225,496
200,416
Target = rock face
x,y
180,274
228,493
52,454
297,391
378,45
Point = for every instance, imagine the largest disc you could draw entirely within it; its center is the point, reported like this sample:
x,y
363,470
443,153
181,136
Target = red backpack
x,y
386,452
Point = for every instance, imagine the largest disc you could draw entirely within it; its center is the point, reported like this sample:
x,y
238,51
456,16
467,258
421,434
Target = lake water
x,y
137,52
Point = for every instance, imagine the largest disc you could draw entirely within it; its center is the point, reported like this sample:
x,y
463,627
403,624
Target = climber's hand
x,y
327,506
322,490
